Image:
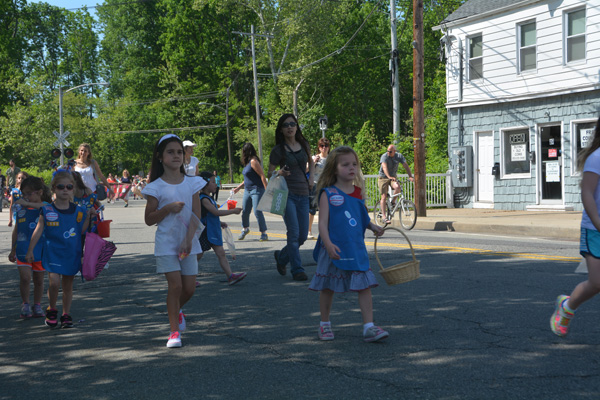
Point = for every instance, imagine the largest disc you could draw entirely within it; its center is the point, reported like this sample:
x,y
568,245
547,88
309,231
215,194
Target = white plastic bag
x,y
228,239
188,231
274,199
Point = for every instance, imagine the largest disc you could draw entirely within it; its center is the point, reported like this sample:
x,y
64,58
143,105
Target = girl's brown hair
x,y
329,175
35,183
59,176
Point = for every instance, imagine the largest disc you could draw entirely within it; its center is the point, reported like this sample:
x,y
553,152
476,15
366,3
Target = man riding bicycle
x,y
387,174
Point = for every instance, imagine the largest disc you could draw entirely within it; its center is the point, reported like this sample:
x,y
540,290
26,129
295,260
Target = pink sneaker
x,y
325,332
182,324
374,334
559,322
174,340
236,277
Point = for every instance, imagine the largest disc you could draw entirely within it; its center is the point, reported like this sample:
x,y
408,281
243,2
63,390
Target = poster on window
x,y
552,171
518,152
585,135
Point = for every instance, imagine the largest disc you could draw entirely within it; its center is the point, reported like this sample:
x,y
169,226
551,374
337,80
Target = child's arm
x,y
239,187
29,204
215,211
377,230
13,249
153,215
37,234
332,249
90,211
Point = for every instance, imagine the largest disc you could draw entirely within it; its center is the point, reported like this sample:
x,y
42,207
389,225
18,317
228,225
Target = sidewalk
x,y
548,224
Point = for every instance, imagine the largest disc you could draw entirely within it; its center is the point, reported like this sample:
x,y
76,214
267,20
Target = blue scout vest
x,y
86,201
62,246
212,223
27,219
348,221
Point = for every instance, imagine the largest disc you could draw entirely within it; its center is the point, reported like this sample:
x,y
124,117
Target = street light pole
x,y
226,109
60,113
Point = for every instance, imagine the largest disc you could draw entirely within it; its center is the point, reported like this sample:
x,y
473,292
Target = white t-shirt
x,y
172,229
319,165
592,164
190,168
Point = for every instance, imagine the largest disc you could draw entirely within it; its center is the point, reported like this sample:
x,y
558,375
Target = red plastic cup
x,y
231,204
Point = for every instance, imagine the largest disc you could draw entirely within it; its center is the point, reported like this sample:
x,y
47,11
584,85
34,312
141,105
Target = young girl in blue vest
x,y
62,223
212,237
15,195
172,197
340,252
35,194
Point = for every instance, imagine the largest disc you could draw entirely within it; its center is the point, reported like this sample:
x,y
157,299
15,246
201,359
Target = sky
x,y
71,4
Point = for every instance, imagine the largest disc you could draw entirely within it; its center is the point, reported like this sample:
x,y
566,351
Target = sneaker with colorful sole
x,y
559,322
174,340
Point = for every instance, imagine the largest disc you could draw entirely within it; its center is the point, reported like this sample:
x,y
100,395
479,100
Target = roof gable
x,y
474,7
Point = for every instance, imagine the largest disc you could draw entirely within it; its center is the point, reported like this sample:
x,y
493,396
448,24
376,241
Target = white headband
x,y
167,136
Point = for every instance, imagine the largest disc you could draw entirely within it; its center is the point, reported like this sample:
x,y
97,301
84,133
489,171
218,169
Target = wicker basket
x,y
399,273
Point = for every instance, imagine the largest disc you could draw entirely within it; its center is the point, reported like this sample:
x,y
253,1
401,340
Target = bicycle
x,y
407,210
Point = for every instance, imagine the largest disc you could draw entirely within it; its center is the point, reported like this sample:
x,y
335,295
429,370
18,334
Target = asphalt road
x,y
475,325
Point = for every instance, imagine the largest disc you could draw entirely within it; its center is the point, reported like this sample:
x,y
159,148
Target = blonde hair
x,y
328,176
590,148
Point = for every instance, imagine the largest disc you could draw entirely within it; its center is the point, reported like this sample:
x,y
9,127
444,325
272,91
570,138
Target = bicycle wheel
x,y
377,215
408,214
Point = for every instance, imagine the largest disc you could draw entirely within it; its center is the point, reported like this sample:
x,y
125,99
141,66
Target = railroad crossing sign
x,y
61,139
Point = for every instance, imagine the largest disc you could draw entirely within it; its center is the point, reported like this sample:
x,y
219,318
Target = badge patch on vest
x,y
336,200
52,216
21,213
79,216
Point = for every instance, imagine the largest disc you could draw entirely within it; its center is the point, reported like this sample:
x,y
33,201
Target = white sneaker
x,y
182,325
174,340
310,236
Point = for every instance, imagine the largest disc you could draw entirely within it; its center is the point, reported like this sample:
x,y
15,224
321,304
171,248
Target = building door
x,y
550,165
483,170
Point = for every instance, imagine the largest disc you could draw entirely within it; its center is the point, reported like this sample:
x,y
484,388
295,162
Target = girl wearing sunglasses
x,y
63,224
292,155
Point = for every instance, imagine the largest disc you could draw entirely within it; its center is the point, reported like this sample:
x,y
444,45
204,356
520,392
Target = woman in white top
x,y
89,170
190,164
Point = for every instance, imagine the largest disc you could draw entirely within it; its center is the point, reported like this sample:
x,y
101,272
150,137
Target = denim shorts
x,y
589,243
187,266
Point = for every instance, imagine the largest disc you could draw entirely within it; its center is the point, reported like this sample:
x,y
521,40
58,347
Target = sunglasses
x,y
289,124
323,145
60,186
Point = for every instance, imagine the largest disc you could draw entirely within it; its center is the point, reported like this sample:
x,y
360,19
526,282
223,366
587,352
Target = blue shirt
x,y
251,178
212,222
62,246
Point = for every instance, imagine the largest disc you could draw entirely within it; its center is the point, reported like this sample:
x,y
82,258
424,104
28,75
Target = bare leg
x,y
24,281
188,286
587,289
220,252
174,282
67,296
365,301
38,286
325,302
311,219
53,286
383,207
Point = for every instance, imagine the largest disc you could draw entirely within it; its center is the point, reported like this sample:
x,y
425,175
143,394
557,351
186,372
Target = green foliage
x,y
166,59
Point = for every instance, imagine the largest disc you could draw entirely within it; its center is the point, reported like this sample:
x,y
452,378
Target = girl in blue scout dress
x,y
35,194
15,194
172,198
340,252
84,196
212,237
62,223
588,162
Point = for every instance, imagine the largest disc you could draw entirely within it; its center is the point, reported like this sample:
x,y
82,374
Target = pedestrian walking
x,y
212,237
291,154
319,160
11,173
254,185
15,195
63,224
90,171
190,163
35,195
588,161
2,188
172,197
218,183
340,252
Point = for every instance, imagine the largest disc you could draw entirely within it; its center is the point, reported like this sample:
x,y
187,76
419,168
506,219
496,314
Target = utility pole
x,y
394,73
252,35
418,117
228,138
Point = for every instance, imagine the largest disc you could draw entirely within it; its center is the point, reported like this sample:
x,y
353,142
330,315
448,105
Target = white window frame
x,y
566,36
520,25
503,133
573,128
469,58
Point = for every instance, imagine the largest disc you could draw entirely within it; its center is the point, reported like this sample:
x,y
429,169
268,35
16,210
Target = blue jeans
x,y
250,201
296,223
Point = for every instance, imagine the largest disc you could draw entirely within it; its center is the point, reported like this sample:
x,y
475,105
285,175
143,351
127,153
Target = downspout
x,y
460,92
